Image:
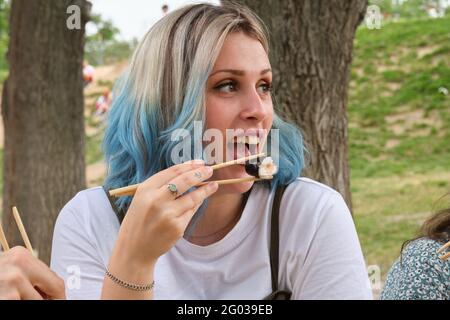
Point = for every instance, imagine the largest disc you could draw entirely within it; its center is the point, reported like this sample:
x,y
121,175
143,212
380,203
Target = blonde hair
x,y
172,62
164,90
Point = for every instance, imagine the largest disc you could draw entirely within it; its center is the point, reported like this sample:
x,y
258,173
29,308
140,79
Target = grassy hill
x,y
399,131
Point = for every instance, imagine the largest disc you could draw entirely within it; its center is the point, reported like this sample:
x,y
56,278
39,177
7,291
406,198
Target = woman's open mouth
x,y
243,146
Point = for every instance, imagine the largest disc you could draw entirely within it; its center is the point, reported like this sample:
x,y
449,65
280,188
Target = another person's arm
x,y
24,277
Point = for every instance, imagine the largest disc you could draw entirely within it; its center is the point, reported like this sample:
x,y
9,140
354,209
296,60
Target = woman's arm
x,y
120,267
24,277
155,221
77,259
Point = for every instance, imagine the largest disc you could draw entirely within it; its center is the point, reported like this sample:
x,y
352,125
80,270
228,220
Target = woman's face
x,y
238,98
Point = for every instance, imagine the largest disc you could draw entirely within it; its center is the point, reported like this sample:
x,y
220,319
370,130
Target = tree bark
x,y
42,109
311,44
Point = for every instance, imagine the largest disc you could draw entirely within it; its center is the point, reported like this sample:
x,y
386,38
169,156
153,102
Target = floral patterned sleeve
x,y
419,274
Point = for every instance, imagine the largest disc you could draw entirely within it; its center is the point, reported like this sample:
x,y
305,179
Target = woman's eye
x,y
266,87
226,87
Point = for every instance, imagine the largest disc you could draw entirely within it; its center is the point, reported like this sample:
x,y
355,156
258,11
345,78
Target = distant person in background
x,y
421,273
88,73
102,105
165,9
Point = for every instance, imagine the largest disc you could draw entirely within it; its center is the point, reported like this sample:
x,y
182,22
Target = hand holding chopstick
x,y
38,281
130,190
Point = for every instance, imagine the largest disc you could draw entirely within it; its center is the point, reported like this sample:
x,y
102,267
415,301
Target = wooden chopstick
x,y
444,247
237,161
3,240
131,189
27,242
124,191
23,233
230,181
219,182
445,256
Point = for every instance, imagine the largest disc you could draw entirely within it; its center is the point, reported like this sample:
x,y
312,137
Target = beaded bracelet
x,y
128,285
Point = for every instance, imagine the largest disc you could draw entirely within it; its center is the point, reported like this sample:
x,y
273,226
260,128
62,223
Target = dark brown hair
x,y
437,228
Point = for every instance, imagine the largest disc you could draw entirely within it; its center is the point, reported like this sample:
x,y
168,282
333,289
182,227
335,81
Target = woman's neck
x,y
220,216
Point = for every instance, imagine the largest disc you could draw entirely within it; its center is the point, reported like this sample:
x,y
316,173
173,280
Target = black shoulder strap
x,y
274,236
274,248
119,213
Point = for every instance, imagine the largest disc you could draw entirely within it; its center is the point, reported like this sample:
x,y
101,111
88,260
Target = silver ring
x,y
173,189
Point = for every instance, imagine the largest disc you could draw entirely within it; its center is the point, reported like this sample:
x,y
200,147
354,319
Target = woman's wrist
x,y
125,250
130,272
130,268
123,278
129,285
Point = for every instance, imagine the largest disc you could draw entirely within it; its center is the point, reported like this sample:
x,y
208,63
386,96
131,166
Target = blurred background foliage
x,y
4,13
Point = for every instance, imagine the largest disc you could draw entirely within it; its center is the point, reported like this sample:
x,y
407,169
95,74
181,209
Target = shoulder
x,y
314,210
87,208
313,199
421,248
422,253
84,235
419,273
310,189
319,247
86,200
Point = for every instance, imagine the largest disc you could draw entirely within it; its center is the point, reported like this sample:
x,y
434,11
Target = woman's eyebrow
x,y
238,72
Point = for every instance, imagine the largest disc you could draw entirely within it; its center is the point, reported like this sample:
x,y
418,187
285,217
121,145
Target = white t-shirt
x,y
320,254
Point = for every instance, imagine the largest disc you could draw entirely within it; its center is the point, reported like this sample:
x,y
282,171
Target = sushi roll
x,y
263,170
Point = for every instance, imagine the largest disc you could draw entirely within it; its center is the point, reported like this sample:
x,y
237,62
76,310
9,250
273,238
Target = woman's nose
x,y
253,107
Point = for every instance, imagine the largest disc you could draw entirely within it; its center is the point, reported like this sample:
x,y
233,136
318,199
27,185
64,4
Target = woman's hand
x,y
24,277
157,219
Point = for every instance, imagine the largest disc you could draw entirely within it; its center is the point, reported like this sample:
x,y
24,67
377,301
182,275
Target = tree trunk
x,y
44,163
311,50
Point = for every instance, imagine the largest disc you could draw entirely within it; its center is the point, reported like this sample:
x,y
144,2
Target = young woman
x,y
419,273
203,63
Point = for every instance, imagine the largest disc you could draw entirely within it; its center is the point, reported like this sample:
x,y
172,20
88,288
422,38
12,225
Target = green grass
x,y
399,132
390,210
382,86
